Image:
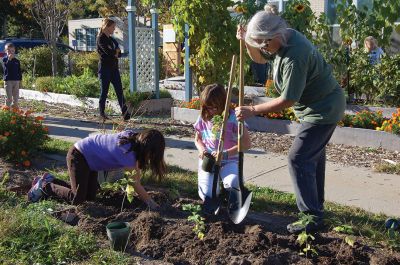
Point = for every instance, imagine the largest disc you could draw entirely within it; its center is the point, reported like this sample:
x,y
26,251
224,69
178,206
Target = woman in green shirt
x,y
305,82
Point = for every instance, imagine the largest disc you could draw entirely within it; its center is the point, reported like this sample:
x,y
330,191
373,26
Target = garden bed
x,y
168,235
350,109
342,135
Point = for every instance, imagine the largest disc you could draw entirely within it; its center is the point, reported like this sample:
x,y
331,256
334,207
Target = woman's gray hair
x,y
263,26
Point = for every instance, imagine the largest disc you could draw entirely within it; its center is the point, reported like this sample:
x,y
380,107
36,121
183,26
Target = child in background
x,y
125,150
12,75
213,103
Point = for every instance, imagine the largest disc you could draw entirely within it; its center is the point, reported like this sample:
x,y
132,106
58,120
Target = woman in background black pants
x,y
108,49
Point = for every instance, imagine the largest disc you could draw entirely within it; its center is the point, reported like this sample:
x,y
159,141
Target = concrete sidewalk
x,y
352,186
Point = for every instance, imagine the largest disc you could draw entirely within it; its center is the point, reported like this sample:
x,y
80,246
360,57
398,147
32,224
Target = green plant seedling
x,y
217,123
199,227
350,240
345,229
6,177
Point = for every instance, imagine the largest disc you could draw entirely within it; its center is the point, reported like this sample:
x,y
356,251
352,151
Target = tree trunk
x,y
4,26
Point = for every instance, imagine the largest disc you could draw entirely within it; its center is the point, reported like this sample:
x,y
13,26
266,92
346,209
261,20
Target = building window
x,y
80,39
91,35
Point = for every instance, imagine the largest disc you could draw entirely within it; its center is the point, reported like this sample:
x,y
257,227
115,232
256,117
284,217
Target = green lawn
x,y
29,234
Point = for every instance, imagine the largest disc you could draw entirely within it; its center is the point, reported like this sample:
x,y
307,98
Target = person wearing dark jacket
x,y
108,50
12,76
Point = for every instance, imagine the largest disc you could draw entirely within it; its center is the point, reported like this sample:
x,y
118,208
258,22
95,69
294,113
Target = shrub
x,y
125,81
21,134
211,36
165,93
38,60
364,76
392,125
85,85
46,84
28,81
84,60
389,84
136,97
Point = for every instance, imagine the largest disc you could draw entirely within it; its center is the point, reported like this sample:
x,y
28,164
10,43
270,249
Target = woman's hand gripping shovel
x,y
240,199
212,205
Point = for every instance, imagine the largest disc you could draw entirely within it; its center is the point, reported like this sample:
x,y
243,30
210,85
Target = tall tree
x,y
16,20
51,15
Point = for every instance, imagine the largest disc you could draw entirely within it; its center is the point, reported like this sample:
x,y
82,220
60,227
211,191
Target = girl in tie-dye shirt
x,y
206,140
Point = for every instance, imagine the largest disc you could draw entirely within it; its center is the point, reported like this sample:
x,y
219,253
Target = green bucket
x,y
118,233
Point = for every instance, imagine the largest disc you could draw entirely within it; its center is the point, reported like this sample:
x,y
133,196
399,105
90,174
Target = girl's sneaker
x,y
36,192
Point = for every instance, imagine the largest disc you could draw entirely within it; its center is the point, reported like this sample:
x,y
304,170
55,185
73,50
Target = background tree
x,y
51,15
212,37
16,20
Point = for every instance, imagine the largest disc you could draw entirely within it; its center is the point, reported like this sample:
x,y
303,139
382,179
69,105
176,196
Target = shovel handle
x,y
226,111
241,94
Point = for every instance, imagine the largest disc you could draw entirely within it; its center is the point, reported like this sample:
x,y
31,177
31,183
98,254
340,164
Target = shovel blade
x,y
211,206
239,204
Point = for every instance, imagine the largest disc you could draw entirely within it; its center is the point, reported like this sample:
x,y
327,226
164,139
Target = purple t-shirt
x,y
102,151
210,140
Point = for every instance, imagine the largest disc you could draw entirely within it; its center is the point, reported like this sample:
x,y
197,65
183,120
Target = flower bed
x,y
343,135
20,135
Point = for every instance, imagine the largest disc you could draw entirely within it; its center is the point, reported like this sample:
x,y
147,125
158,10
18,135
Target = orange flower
x,y
6,134
39,118
46,129
5,108
13,122
27,163
28,112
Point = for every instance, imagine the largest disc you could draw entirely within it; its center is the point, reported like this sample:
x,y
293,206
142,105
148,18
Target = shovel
x,y
240,199
212,205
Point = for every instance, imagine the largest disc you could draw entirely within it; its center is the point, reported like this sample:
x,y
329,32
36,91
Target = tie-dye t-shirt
x,y
210,140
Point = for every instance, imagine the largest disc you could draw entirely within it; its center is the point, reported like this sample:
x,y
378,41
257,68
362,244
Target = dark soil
x,y
167,236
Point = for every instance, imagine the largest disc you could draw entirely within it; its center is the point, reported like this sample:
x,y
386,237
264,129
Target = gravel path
x,y
341,154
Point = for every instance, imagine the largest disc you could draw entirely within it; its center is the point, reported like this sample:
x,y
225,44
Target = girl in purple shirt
x,y
124,150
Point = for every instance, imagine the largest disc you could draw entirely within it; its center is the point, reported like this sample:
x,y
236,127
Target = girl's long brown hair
x,y
149,147
107,22
213,96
